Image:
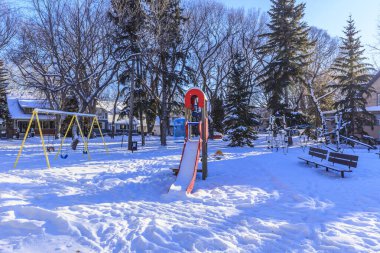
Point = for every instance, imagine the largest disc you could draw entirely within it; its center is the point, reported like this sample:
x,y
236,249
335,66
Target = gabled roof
x,y
16,111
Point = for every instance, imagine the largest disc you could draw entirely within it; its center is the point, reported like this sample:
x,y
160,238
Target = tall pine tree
x,y
4,112
128,17
240,120
352,74
287,50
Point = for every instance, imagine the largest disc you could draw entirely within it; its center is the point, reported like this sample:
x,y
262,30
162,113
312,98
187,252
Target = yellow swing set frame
x,y
74,118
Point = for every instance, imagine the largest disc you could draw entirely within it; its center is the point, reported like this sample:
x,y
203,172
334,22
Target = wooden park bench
x,y
317,156
341,162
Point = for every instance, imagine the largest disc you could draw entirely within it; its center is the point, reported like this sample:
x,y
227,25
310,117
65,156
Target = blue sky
x,y
331,15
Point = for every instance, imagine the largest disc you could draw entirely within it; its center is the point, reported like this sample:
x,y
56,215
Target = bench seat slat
x,y
344,156
342,162
319,155
318,150
310,159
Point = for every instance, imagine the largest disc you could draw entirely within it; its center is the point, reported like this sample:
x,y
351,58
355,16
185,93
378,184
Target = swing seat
x,y
64,156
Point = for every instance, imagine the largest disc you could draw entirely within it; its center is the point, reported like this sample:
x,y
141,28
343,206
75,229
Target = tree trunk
x,y
164,104
319,110
113,128
131,103
139,69
287,96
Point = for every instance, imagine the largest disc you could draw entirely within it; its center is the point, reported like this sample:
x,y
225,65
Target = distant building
x,y
105,112
157,126
21,110
373,106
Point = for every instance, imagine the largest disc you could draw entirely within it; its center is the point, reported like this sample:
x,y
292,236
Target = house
x,y
373,106
20,111
107,114
157,128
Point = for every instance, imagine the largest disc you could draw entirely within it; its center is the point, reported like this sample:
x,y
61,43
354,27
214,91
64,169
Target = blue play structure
x,y
179,128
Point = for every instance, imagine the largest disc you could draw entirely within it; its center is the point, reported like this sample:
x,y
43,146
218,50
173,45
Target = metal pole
x,y
64,137
84,141
92,126
43,141
23,141
204,142
101,134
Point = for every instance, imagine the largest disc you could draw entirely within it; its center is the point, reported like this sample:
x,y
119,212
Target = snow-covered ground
x,y
253,201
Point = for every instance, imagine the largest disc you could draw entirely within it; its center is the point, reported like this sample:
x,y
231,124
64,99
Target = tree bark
x,y
164,104
131,104
319,110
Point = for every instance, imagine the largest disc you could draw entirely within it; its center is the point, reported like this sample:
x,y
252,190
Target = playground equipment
x,y
75,116
196,128
277,133
50,144
179,132
340,139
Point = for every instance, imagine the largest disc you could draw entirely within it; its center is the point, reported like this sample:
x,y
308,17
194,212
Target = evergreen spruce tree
x,y
352,75
4,111
128,17
240,120
217,115
287,45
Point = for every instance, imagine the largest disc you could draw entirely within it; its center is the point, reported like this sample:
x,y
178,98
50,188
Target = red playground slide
x,y
188,167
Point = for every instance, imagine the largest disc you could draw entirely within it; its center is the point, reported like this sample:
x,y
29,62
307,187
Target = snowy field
x,y
253,201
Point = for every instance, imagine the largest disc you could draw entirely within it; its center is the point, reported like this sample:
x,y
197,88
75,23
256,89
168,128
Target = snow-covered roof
x,y
33,103
108,106
123,121
16,111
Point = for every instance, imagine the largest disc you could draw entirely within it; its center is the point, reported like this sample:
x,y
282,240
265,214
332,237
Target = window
x,y
45,124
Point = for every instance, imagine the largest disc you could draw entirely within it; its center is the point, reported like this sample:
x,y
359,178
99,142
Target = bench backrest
x,y
317,152
344,159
